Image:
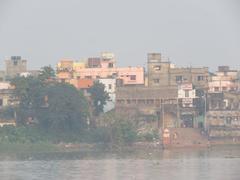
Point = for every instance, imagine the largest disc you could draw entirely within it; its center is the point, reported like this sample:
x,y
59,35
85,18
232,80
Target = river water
x,y
222,162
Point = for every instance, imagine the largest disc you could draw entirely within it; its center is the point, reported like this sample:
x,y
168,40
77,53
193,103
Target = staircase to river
x,y
186,137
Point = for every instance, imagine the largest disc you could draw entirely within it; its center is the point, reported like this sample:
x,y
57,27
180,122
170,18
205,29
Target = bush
x,y
95,135
149,136
123,132
21,134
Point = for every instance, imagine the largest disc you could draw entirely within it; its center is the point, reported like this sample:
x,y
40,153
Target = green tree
x,y
64,111
84,105
99,97
46,73
56,106
27,91
7,112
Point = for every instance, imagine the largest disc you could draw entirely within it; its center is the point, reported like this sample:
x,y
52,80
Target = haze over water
x,y
214,163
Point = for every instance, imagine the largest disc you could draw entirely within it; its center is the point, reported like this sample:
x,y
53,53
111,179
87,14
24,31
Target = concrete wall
x,y
223,123
15,66
223,81
163,73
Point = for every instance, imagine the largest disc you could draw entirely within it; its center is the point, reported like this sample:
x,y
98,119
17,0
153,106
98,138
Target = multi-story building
x,y
223,80
6,94
186,95
100,68
163,73
223,116
15,66
171,94
149,101
83,74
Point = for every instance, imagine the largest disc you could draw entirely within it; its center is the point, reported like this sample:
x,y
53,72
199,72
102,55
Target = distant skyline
x,y
189,32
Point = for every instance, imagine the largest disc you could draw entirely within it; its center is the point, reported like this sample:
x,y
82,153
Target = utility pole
x,y
205,111
162,114
178,117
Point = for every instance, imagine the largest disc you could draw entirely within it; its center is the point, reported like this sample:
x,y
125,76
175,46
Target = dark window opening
x,y
179,78
88,77
216,89
200,78
133,77
15,63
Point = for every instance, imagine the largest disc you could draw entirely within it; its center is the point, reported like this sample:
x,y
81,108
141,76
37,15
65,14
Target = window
x,y
156,81
133,77
109,86
88,77
15,63
224,88
216,89
110,65
186,93
179,78
1,102
229,120
200,78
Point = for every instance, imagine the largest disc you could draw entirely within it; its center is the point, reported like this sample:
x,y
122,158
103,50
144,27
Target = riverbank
x,y
45,147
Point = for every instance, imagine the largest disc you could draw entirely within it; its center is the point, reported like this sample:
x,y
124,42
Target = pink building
x,y
99,68
128,75
223,80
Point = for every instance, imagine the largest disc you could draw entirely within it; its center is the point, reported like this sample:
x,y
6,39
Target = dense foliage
x,y
53,106
64,110
99,97
49,111
46,73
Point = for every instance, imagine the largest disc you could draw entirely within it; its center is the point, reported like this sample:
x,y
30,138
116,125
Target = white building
x,y
110,88
186,94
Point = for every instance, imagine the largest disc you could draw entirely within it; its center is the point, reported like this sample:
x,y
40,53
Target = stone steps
x,y
187,137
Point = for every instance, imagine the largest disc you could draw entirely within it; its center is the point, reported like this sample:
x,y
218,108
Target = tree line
x,y
55,106
49,110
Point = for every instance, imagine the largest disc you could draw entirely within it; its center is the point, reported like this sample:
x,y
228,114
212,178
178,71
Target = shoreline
x,y
91,147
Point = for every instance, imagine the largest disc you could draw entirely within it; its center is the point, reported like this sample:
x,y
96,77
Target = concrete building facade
x,y
223,116
164,73
15,66
187,94
100,68
6,94
224,80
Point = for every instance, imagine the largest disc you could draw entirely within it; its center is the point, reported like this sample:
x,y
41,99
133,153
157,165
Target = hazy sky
x,y
189,32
